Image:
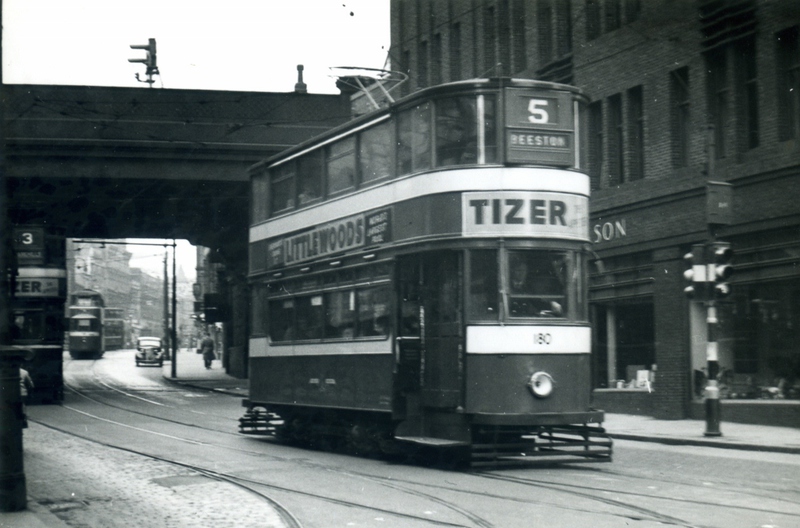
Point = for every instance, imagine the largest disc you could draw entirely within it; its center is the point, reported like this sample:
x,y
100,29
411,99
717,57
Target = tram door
x,y
429,331
443,365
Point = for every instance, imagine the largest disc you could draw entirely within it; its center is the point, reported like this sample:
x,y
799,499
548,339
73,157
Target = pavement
x,y
190,372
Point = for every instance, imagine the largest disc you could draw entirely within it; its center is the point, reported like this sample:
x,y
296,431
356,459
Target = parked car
x,y
149,351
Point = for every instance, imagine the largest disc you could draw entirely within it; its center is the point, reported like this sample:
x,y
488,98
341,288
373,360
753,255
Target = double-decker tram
x,y
86,309
114,329
419,276
37,304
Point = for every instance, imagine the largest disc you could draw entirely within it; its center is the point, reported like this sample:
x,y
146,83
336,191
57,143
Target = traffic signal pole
x,y
713,406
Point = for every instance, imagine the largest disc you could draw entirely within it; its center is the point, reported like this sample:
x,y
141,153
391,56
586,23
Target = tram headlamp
x,y
541,384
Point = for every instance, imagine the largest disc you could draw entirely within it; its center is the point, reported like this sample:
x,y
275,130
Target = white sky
x,y
243,45
247,45
151,258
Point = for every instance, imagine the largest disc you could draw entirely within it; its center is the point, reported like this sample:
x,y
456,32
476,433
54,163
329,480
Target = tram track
x,y
473,519
627,501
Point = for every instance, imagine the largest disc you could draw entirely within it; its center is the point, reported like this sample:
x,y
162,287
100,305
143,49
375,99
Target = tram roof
x,y
409,100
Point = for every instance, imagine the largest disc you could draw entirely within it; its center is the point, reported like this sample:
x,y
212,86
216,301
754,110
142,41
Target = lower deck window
x,y
362,311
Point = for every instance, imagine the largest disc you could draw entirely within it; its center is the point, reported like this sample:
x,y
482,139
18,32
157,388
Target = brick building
x,y
682,93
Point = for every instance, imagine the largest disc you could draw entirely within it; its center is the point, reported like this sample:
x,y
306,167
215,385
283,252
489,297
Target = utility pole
x,y
174,311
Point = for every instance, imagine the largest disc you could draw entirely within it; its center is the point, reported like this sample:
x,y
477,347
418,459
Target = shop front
x,y
650,341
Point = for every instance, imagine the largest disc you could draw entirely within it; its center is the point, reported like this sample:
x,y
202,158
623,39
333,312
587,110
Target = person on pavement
x,y
207,349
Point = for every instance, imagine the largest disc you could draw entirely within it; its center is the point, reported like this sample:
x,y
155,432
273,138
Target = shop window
x,y
758,335
625,346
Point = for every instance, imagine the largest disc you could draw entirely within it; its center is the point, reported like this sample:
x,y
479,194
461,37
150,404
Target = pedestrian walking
x,y
25,386
207,349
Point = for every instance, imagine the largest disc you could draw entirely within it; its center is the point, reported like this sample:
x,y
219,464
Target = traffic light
x,y
695,273
150,60
721,269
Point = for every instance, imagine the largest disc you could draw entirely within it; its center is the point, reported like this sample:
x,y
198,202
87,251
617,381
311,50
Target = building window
x,y
593,28
422,64
747,82
518,28
718,98
613,14
679,105
632,10
563,28
436,60
406,86
616,152
544,21
455,52
636,133
489,40
788,59
504,34
595,143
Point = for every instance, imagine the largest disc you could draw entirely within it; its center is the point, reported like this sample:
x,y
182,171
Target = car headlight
x,y
541,384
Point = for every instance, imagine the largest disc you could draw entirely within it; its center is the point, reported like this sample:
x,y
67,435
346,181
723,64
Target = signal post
x,y
710,268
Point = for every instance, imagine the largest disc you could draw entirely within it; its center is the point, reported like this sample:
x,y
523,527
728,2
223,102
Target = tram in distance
x,y
114,329
418,277
86,321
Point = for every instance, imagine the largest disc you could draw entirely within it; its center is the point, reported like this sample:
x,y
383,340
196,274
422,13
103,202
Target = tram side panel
x,y
357,381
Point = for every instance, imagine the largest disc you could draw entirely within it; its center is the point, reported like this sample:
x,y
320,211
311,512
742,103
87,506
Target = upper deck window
x,y
282,187
375,150
414,139
342,165
258,205
309,177
456,131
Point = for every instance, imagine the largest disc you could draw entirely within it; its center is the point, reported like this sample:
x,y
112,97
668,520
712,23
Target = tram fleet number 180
x,y
418,278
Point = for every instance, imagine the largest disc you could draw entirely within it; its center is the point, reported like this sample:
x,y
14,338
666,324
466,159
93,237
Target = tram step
x,y
256,422
429,441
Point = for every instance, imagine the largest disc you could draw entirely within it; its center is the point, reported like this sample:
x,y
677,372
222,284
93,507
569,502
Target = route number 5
x,y
538,112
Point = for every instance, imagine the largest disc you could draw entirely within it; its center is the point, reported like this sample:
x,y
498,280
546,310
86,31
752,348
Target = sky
x,y
244,45
151,258
241,45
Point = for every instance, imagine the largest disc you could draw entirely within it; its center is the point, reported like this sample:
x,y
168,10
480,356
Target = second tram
x,y
419,275
114,329
86,309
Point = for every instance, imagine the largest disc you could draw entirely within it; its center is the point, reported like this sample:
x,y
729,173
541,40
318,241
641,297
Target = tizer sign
x,y
525,214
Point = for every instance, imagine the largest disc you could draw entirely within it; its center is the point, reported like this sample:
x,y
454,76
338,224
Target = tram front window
x,y
538,283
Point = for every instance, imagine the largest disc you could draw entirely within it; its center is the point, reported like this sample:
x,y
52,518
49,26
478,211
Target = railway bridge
x,y
107,162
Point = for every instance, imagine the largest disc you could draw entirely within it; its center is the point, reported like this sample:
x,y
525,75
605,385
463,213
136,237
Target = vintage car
x,y
149,351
